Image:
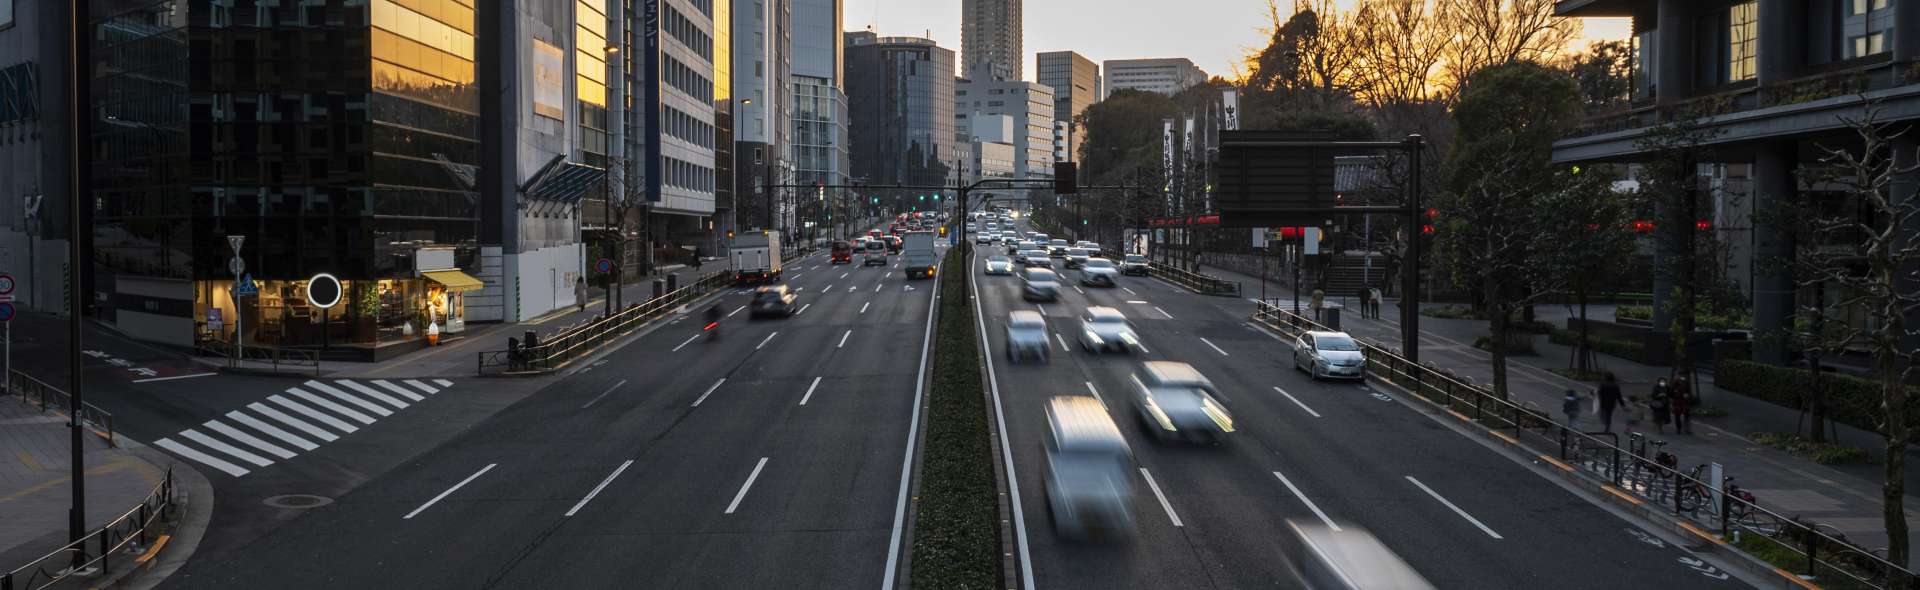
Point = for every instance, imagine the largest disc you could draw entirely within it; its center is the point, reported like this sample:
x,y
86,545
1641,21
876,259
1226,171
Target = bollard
x,y
1331,315
673,283
659,288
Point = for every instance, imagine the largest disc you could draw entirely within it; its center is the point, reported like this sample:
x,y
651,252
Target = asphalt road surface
x,y
1211,516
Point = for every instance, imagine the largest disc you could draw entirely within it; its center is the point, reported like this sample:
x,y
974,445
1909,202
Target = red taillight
x,y
711,325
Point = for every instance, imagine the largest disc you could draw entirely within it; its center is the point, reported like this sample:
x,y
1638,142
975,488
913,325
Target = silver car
x,y
1174,401
1089,478
983,238
1099,272
1036,258
1329,354
999,265
1019,250
1042,285
1057,248
1077,257
1104,328
1027,336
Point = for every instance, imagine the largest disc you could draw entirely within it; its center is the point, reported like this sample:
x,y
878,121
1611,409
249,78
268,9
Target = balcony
x,y
1745,111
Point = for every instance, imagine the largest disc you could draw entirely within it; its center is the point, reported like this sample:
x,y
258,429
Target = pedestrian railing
x,y
273,358
1822,553
122,540
50,398
556,351
1199,283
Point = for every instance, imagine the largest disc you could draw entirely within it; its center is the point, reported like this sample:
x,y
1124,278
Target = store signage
x,y
323,291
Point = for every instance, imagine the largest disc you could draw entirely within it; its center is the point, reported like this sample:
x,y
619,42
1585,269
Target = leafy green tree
x,y
1604,73
1585,224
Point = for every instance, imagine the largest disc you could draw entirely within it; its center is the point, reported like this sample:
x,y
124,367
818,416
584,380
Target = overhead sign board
x,y
323,291
1265,182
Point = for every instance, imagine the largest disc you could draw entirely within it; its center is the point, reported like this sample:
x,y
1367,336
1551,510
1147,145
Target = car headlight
x,y
1160,416
1095,337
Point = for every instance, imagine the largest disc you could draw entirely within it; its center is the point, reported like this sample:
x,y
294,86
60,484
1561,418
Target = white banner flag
x,y
1230,113
1166,161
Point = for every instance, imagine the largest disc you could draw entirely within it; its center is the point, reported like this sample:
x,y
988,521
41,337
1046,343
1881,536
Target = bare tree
x,y
1869,252
625,192
1489,32
1397,44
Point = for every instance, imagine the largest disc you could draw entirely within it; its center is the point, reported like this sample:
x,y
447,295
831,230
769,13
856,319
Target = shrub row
x,y
956,539
1626,349
1850,400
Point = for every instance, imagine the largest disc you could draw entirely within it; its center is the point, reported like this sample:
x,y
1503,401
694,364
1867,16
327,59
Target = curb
x,y
194,514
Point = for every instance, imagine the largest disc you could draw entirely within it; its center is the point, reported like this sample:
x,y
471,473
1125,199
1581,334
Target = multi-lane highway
x,y
770,457
1350,454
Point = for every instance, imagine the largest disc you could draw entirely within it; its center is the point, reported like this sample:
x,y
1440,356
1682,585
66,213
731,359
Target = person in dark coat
x,y
1658,404
1609,399
1682,400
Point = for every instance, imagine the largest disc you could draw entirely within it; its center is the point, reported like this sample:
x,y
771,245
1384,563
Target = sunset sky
x,y
1213,33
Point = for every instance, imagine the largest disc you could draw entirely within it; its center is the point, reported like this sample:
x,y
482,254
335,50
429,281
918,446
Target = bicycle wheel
x,y
1692,497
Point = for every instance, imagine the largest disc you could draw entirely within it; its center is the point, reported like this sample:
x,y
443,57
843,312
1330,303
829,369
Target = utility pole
x,y
79,63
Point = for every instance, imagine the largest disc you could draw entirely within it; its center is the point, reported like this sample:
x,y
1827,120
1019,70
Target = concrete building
x,y
819,119
34,153
900,91
762,64
990,40
1167,75
1029,105
1076,85
1785,76
667,137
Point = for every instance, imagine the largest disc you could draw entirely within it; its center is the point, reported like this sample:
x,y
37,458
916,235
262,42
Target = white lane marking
x,y
348,397
1006,449
602,486
896,265
152,379
852,288
1043,308
703,396
1296,401
218,445
799,289
1129,291
1096,393
844,274
690,340
1077,288
742,495
1456,509
443,382
796,276
1063,342
328,404
829,289
356,386
913,434
323,417
803,309
1310,505
1163,498
742,308
208,460
302,425
1163,312
810,388
1216,348
450,491
843,339
863,306
769,338
375,394
1136,302
876,287
248,439
429,388
271,430
596,399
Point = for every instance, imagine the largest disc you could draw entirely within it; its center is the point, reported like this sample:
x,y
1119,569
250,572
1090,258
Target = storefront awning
x,y
456,281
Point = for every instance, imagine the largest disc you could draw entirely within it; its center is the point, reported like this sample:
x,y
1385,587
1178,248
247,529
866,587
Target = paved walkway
x,y
36,481
1845,497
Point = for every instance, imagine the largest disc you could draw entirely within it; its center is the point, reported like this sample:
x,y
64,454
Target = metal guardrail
x,y
560,349
128,535
51,398
1708,506
1199,283
275,357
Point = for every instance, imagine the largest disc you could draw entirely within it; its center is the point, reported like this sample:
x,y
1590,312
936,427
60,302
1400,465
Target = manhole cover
x,y
298,501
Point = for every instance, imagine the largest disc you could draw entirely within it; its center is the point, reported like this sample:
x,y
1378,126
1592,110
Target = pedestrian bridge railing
x,y
1820,552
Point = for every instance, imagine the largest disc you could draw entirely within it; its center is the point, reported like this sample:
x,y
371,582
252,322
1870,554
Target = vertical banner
x,y
1186,170
1230,109
650,96
1166,163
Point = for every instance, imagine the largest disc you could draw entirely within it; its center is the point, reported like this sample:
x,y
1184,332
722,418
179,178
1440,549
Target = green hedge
x,y
1850,400
1626,349
956,537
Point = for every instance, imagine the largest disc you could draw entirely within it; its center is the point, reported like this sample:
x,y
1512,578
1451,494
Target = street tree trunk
x,y
1497,321
1582,347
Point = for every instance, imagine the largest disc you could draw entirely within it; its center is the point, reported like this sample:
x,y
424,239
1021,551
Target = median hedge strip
x,y
956,539
1851,400
1626,349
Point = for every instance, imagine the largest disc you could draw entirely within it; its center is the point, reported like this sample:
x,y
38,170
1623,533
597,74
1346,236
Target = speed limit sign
x,y
6,284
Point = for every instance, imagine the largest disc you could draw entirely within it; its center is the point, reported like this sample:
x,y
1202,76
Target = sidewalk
x,y
36,482
1845,497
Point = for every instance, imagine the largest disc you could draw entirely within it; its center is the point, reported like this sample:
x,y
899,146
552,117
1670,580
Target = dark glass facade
x,y
900,89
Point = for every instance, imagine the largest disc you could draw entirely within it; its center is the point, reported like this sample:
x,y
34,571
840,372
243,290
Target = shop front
x,y
375,318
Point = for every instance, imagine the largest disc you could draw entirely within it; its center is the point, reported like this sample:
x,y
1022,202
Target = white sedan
x,y
999,265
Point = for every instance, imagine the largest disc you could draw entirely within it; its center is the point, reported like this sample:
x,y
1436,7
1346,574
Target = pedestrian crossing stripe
x,y
304,418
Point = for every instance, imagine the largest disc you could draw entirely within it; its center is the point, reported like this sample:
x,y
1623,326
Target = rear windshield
x,y
876,245
1335,343
997,259
1099,263
1136,258
1057,243
1076,251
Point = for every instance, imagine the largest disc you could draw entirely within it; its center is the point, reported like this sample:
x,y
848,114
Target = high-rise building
x,y
990,40
35,154
669,137
1167,75
819,105
762,50
1075,81
900,94
1029,107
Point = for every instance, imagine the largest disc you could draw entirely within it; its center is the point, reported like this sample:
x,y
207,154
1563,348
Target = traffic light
x,y
1083,221
1066,178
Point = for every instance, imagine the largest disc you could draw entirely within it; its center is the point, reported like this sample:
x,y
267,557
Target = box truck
x,y
756,257
918,250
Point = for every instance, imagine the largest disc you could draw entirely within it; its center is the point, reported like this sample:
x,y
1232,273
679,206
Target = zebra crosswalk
x,y
298,420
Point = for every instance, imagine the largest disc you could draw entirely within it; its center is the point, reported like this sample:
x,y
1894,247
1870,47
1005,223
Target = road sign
x,y
323,291
6,311
236,266
6,284
235,242
246,288
604,265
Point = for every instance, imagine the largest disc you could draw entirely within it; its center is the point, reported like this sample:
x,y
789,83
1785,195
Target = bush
x,y
1822,453
1633,312
1452,312
1626,349
1517,344
1850,400
1703,317
956,536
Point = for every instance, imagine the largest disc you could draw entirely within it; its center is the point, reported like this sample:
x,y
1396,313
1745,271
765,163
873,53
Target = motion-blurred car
x,y
1057,248
1104,328
1027,336
1089,470
1009,240
1036,259
1077,257
1325,558
1329,354
1174,401
983,239
772,301
999,265
1099,272
1021,246
841,252
1042,285
894,244
876,253
1134,264
1094,247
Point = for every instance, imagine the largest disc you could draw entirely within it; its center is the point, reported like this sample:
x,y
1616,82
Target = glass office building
x,y
901,91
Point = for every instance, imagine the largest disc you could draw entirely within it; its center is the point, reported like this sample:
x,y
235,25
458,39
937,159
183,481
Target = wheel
x,y
1313,371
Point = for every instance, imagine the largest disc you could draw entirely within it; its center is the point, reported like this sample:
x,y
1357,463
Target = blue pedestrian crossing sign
x,y
245,288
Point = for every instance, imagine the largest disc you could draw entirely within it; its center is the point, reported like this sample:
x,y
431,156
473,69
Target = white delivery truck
x,y
756,256
917,248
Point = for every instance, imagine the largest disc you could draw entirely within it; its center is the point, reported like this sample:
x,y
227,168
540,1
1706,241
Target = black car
x,y
773,301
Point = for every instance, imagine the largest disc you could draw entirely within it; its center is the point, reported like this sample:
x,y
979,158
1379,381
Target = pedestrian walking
x,y
1609,399
1319,300
1571,407
1360,299
1682,400
1376,298
1659,404
580,292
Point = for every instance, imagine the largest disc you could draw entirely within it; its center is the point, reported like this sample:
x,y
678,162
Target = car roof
x,y
1320,334
1104,312
1039,273
1026,317
1174,373
999,257
1081,423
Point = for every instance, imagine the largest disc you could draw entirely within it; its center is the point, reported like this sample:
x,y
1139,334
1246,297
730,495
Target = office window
x,y
1867,44
1743,34
1865,6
